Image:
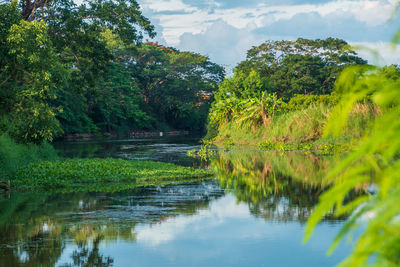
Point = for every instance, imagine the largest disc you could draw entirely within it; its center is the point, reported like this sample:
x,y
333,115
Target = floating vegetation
x,y
204,153
321,148
102,174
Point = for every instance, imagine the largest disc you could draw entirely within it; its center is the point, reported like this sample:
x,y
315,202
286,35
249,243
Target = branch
x,y
9,76
29,8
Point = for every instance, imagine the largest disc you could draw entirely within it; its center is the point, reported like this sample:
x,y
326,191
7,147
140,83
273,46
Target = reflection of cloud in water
x,y
218,212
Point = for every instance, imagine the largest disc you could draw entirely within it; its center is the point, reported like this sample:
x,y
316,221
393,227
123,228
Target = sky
x,y
225,29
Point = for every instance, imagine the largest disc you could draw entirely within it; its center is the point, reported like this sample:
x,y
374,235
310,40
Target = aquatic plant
x,y
322,148
102,174
204,153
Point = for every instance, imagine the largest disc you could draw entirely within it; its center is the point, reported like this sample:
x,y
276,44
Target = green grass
x,y
14,156
321,148
296,130
102,174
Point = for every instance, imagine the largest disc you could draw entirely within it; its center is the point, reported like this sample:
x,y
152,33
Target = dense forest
x,y
77,69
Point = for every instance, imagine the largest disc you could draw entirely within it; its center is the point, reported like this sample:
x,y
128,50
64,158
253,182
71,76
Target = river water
x,y
252,213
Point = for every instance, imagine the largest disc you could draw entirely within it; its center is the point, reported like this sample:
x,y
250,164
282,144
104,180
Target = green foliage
x,y
82,68
222,111
29,74
299,67
100,174
176,86
298,102
239,98
90,40
247,111
204,153
276,71
301,126
259,110
241,86
117,102
14,156
375,163
326,149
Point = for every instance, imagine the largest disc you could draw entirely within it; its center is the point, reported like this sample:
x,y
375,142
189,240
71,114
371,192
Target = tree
x,y
242,85
176,85
300,67
117,103
53,61
30,73
79,36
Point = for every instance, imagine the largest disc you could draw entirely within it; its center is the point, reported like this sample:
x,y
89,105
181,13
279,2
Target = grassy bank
x,y
37,167
102,174
300,129
14,156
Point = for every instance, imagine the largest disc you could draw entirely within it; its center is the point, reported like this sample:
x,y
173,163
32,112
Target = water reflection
x,y
167,149
276,186
90,256
254,208
37,227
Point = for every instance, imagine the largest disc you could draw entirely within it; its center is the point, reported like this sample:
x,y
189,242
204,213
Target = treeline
x,y
71,69
284,92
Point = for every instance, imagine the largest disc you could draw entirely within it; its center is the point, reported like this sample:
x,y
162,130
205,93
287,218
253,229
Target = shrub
x,y
14,156
299,102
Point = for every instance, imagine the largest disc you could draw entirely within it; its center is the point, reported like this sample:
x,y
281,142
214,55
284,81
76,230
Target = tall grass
x,y
14,156
300,126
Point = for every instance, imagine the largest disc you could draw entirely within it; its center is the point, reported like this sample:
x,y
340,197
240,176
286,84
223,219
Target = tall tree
x,y
302,66
53,58
176,85
29,75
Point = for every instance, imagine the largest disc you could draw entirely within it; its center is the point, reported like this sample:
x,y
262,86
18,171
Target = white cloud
x,y
378,53
167,5
219,211
223,43
178,18
374,12
225,34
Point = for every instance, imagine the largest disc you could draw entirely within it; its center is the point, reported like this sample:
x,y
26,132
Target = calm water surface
x,y
251,214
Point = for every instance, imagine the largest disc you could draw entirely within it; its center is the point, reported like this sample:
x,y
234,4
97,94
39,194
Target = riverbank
x,y
114,135
38,167
13,156
298,130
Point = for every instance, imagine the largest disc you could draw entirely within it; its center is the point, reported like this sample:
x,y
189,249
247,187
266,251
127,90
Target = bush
x,y
299,102
14,156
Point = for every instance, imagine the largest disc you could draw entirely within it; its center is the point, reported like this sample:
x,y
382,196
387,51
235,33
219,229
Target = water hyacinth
x,y
101,174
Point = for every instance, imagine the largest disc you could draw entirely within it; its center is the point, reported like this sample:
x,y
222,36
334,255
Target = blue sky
x,y
225,29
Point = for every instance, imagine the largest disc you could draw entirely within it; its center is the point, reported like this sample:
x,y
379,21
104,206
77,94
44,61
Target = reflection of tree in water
x,y
88,257
34,252
35,227
276,186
